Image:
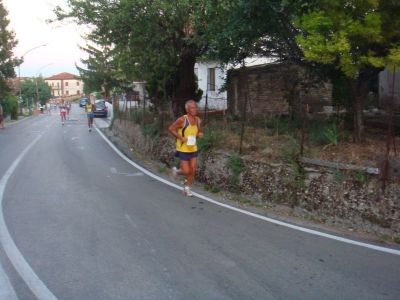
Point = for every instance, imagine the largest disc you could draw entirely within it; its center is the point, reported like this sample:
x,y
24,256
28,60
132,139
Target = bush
x,y
360,177
236,167
207,142
332,134
10,106
151,130
137,116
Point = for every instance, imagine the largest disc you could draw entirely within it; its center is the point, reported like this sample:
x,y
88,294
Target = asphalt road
x,y
91,226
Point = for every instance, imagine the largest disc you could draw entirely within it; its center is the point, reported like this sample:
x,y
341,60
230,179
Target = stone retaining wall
x,y
354,199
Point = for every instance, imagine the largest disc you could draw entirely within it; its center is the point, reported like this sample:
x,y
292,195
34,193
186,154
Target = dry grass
x,y
265,145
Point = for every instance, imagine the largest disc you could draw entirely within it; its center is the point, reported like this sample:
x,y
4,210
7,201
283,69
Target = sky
x,y
28,21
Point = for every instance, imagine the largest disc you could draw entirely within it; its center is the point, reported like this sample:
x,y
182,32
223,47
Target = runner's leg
x,y
192,170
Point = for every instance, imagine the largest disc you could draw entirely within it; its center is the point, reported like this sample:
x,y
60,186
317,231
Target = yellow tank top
x,y
190,131
89,108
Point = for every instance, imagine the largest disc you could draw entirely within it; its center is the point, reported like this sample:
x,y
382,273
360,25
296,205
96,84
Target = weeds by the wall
x,y
151,130
208,141
360,177
338,175
332,134
236,167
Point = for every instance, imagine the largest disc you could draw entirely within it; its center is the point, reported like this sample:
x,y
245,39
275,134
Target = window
x,y
77,83
78,92
58,84
66,93
211,79
66,84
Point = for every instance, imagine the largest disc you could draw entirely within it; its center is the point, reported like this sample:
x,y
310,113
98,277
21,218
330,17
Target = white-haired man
x,y
186,130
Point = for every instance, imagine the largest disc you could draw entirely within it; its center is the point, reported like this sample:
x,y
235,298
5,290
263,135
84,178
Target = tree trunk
x,y
185,84
359,91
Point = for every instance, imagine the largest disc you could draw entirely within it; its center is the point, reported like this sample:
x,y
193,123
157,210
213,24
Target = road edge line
x,y
22,267
257,216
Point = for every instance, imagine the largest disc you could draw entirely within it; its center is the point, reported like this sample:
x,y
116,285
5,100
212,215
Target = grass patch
x,y
212,188
360,177
162,169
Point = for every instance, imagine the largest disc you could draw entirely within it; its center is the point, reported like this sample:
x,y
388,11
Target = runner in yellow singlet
x,y
186,130
90,107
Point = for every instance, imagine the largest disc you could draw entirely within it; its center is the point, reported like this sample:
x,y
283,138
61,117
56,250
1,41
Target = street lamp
x,y
19,72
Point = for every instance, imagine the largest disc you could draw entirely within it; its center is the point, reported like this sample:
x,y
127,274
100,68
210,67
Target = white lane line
x,y
34,283
281,223
6,289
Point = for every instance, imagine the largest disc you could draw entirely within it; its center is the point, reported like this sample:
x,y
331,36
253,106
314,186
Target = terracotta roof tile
x,y
63,76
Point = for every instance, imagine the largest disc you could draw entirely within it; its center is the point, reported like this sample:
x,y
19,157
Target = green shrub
x,y
360,177
290,153
151,130
138,115
338,175
332,134
208,141
10,106
236,167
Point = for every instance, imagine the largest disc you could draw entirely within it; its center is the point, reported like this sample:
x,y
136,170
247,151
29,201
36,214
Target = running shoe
x,y
174,172
187,191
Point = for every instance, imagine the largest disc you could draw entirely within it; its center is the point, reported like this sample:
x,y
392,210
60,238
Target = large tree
x,y
358,38
157,41
100,73
7,59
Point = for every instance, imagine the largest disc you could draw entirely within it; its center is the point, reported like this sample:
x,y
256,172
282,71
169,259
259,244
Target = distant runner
x,y
68,107
186,130
90,107
63,112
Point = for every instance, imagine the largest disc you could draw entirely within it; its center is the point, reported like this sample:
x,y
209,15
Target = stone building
x,y
271,87
65,85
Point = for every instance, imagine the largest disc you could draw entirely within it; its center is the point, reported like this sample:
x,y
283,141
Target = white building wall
x,y
72,89
216,99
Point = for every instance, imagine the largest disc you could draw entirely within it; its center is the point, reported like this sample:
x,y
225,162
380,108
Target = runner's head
x,y
191,107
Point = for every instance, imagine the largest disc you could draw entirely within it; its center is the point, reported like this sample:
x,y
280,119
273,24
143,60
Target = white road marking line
x,y
114,171
137,174
34,283
74,138
277,222
6,289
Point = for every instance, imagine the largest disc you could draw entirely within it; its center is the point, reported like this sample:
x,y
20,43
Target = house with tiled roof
x,y
65,85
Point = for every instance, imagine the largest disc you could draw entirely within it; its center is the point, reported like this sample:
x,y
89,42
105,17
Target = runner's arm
x,y
200,133
173,129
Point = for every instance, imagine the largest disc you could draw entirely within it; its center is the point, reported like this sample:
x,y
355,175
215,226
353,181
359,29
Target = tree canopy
x,y
157,41
34,90
7,59
358,38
